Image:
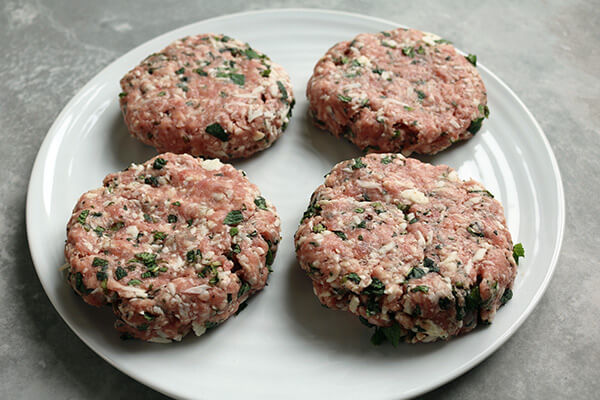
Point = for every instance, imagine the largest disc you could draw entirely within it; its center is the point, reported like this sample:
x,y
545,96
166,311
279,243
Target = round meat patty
x,y
175,244
398,91
407,246
207,95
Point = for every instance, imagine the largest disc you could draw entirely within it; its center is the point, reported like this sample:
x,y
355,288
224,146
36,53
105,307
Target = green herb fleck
x,y
180,71
134,282
518,251
484,110
420,94
244,288
120,273
233,218
485,192
475,229
319,228
99,262
82,216
284,93
152,181
341,235
79,285
378,337
345,99
217,131
122,94
260,202
472,58
392,334
358,164
159,236
238,79
506,296
353,277
269,258
201,72
251,54
159,163
359,210
415,273
148,316
190,256
473,299
210,324
430,264
148,259
420,288
475,125
171,218
376,288
408,51
233,231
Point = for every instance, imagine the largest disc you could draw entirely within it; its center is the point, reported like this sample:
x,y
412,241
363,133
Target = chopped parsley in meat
x,y
217,131
233,218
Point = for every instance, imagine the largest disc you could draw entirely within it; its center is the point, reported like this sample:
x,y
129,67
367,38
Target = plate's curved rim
x,y
37,170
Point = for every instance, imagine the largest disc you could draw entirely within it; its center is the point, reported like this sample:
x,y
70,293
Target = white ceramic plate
x,y
285,345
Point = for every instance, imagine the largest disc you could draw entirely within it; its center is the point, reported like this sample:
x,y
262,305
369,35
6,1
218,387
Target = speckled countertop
x,y
548,52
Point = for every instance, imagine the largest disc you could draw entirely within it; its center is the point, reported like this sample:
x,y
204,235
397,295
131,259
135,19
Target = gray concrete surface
x,y
548,52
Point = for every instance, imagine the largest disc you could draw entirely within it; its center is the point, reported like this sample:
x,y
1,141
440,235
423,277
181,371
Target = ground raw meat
x,y
398,91
175,244
207,95
408,247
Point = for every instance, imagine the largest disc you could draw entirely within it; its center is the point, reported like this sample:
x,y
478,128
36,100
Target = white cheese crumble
x,y
430,38
415,196
368,184
212,165
354,302
199,329
479,254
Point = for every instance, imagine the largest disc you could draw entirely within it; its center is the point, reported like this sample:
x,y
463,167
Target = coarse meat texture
x,y
398,91
408,247
207,95
175,244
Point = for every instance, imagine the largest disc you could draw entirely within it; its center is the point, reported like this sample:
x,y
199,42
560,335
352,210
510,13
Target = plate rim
x,y
41,156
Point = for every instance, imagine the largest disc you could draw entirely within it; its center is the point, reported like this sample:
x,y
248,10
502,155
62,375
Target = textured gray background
x,y
548,52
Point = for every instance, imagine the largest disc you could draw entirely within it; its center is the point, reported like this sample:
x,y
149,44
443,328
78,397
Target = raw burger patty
x,y
406,244
207,95
175,244
397,91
